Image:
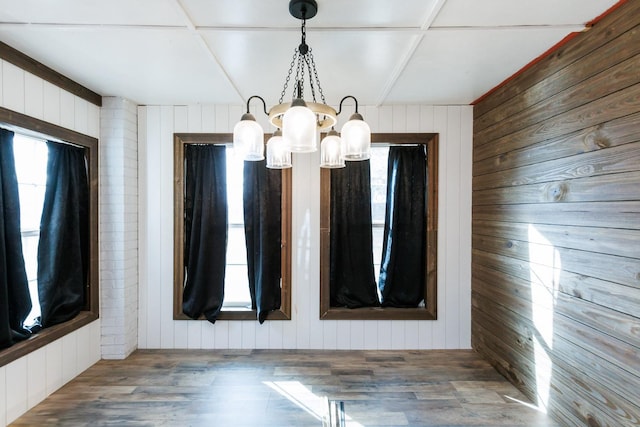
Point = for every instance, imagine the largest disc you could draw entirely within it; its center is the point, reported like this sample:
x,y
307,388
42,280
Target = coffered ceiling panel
x,y
91,12
477,60
516,12
258,61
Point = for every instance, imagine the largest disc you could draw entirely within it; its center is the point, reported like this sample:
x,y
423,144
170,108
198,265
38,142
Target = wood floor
x,y
287,388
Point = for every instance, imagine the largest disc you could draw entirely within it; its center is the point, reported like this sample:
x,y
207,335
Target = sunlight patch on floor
x,y
301,396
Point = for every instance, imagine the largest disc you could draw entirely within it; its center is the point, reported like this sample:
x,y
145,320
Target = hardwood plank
x,y
606,30
540,104
618,50
604,135
616,187
610,107
158,387
624,158
622,270
594,239
592,214
615,296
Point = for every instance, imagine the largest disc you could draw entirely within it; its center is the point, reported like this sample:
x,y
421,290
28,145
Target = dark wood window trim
x,y
36,68
180,140
91,310
429,312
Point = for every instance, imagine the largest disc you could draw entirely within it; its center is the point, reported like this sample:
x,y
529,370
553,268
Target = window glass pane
x,y
236,282
236,246
31,157
234,187
236,287
379,158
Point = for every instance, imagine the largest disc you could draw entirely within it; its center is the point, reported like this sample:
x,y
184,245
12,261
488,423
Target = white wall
x,y
118,227
157,329
28,380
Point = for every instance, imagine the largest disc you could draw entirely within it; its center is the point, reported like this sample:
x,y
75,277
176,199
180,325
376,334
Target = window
x,y
378,206
30,156
237,301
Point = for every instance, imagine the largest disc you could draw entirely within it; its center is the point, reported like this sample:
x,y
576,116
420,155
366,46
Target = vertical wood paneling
x,y
51,99
180,124
452,227
150,279
36,377
16,389
440,121
3,393
67,110
12,87
33,96
164,145
143,224
54,366
276,335
554,289
464,243
194,334
306,330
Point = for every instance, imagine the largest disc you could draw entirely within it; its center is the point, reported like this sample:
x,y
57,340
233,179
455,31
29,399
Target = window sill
x,y
241,315
44,337
378,313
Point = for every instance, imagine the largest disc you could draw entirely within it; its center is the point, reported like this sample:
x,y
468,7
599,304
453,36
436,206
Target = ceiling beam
x,y
203,43
408,54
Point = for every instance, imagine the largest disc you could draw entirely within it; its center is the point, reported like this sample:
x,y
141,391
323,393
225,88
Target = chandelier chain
x,y
298,91
286,82
315,73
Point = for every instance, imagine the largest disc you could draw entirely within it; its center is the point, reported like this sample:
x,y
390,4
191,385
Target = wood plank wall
x,y
556,226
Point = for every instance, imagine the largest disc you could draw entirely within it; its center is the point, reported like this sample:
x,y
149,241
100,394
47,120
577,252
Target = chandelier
x,y
299,122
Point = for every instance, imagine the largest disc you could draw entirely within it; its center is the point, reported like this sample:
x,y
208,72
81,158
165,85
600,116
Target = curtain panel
x,y
15,302
351,272
262,200
206,230
402,268
63,251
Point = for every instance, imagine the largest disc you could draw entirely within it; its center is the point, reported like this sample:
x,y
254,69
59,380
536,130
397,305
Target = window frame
x,y
429,311
31,126
180,140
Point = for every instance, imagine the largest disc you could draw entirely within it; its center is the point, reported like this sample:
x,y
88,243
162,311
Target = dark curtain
x,y
262,225
402,270
205,229
63,251
15,302
351,272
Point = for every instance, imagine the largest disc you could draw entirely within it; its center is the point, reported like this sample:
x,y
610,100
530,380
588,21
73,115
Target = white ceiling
x,y
223,51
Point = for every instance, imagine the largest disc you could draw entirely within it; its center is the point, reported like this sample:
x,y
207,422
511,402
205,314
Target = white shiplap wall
x,y
28,380
157,329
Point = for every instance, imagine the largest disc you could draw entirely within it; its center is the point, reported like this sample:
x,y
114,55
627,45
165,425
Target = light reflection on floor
x,y
301,396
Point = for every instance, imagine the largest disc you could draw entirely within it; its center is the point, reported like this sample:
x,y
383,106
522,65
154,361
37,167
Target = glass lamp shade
x,y
278,155
331,151
356,136
299,130
248,139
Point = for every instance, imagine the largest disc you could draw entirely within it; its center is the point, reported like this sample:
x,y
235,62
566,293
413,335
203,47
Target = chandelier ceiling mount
x,y
299,122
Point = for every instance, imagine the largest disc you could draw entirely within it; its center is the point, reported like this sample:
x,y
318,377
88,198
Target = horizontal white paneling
x,y
28,380
157,329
